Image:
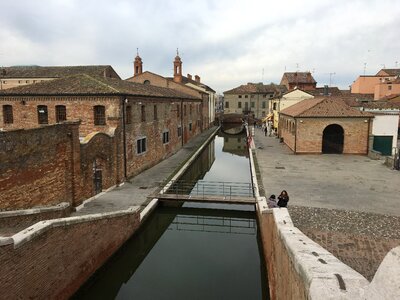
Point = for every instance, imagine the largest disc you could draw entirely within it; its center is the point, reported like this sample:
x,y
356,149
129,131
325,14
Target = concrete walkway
x,y
348,182
137,189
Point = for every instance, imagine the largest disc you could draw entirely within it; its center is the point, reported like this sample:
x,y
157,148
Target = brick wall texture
x,y
56,263
310,132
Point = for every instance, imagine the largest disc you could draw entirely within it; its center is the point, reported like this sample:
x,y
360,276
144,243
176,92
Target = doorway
x,y
332,139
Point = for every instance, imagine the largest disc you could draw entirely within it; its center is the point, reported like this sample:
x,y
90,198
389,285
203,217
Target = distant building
x,y
11,77
386,82
251,99
325,125
181,83
301,80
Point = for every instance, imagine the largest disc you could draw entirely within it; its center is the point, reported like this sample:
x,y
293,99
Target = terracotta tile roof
x,y
391,72
382,105
298,77
392,97
323,107
83,84
53,71
257,88
186,80
332,91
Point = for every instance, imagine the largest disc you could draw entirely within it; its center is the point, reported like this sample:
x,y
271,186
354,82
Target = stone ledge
x,y
37,229
23,212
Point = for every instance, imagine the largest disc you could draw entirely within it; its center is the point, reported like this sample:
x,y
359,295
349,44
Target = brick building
x,y
124,128
302,80
11,77
325,125
180,83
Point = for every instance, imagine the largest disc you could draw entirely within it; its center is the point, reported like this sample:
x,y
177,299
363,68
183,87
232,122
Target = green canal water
x,y
191,250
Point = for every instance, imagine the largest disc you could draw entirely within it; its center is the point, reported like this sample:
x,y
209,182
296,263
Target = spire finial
x,y
137,51
177,51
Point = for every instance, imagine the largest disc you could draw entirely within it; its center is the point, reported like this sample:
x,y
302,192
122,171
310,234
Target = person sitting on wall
x,y
272,202
283,199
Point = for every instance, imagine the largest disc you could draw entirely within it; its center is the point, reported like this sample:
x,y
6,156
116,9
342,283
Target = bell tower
x,y
177,67
137,64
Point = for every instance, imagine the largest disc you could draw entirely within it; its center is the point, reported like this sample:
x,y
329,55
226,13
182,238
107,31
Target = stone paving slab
x,y
137,189
349,182
348,204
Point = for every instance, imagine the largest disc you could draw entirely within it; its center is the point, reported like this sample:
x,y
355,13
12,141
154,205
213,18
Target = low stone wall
x,y
298,268
14,221
52,259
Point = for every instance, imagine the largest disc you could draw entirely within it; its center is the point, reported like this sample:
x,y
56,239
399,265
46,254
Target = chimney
x,y
189,76
197,78
326,90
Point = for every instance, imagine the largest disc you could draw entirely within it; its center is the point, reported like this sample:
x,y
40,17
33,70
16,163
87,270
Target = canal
x,y
192,250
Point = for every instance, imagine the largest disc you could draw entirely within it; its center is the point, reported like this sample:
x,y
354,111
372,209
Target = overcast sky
x,y
225,42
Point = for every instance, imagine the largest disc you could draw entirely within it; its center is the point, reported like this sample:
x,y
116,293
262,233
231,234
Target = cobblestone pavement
x,y
348,204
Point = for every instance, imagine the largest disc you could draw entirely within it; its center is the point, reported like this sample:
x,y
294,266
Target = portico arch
x,y
333,139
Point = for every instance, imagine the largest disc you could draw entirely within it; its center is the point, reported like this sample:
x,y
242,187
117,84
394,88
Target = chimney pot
x,y
197,78
189,76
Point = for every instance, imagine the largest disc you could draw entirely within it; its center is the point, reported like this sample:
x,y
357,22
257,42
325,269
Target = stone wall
x,y
38,167
61,254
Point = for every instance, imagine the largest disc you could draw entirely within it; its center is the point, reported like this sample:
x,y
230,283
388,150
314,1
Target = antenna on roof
x,y
262,77
365,67
396,62
313,70
330,77
297,67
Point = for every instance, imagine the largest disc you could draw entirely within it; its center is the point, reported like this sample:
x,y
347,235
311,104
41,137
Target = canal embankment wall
x,y
53,258
299,268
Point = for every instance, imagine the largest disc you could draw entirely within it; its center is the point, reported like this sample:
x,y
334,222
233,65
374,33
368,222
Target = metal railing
x,y
210,188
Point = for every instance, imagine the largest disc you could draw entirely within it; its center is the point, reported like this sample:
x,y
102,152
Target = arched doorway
x,y
332,139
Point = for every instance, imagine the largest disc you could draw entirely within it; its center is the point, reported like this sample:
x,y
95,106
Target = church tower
x,y
177,68
137,65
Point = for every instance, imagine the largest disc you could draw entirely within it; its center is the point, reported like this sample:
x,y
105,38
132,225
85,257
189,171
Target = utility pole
x,y
330,77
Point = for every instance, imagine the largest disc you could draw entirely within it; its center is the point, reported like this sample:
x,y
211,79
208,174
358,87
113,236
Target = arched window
x,y
99,115
61,113
146,82
8,117
43,117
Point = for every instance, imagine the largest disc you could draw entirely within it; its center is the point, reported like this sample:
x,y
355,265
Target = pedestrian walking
x,y
272,202
283,199
265,131
269,127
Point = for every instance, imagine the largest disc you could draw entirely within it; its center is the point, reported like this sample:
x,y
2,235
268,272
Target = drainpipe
x,y
124,100
369,128
295,136
182,125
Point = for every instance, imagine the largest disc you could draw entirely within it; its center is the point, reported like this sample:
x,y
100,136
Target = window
x,y
26,81
240,96
251,96
271,95
128,114
42,114
263,114
252,104
190,110
190,126
99,115
141,145
177,110
143,113
226,104
274,106
264,104
146,82
61,113
184,110
8,114
179,131
389,87
239,104
264,96
165,137
246,96
155,112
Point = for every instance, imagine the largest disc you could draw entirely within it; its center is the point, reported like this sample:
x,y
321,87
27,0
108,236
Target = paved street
x,y
349,182
348,204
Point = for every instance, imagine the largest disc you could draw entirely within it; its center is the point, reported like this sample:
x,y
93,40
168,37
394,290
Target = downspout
x,y
369,128
124,99
295,136
182,125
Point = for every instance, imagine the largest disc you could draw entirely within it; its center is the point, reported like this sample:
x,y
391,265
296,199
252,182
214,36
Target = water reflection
x,y
185,253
